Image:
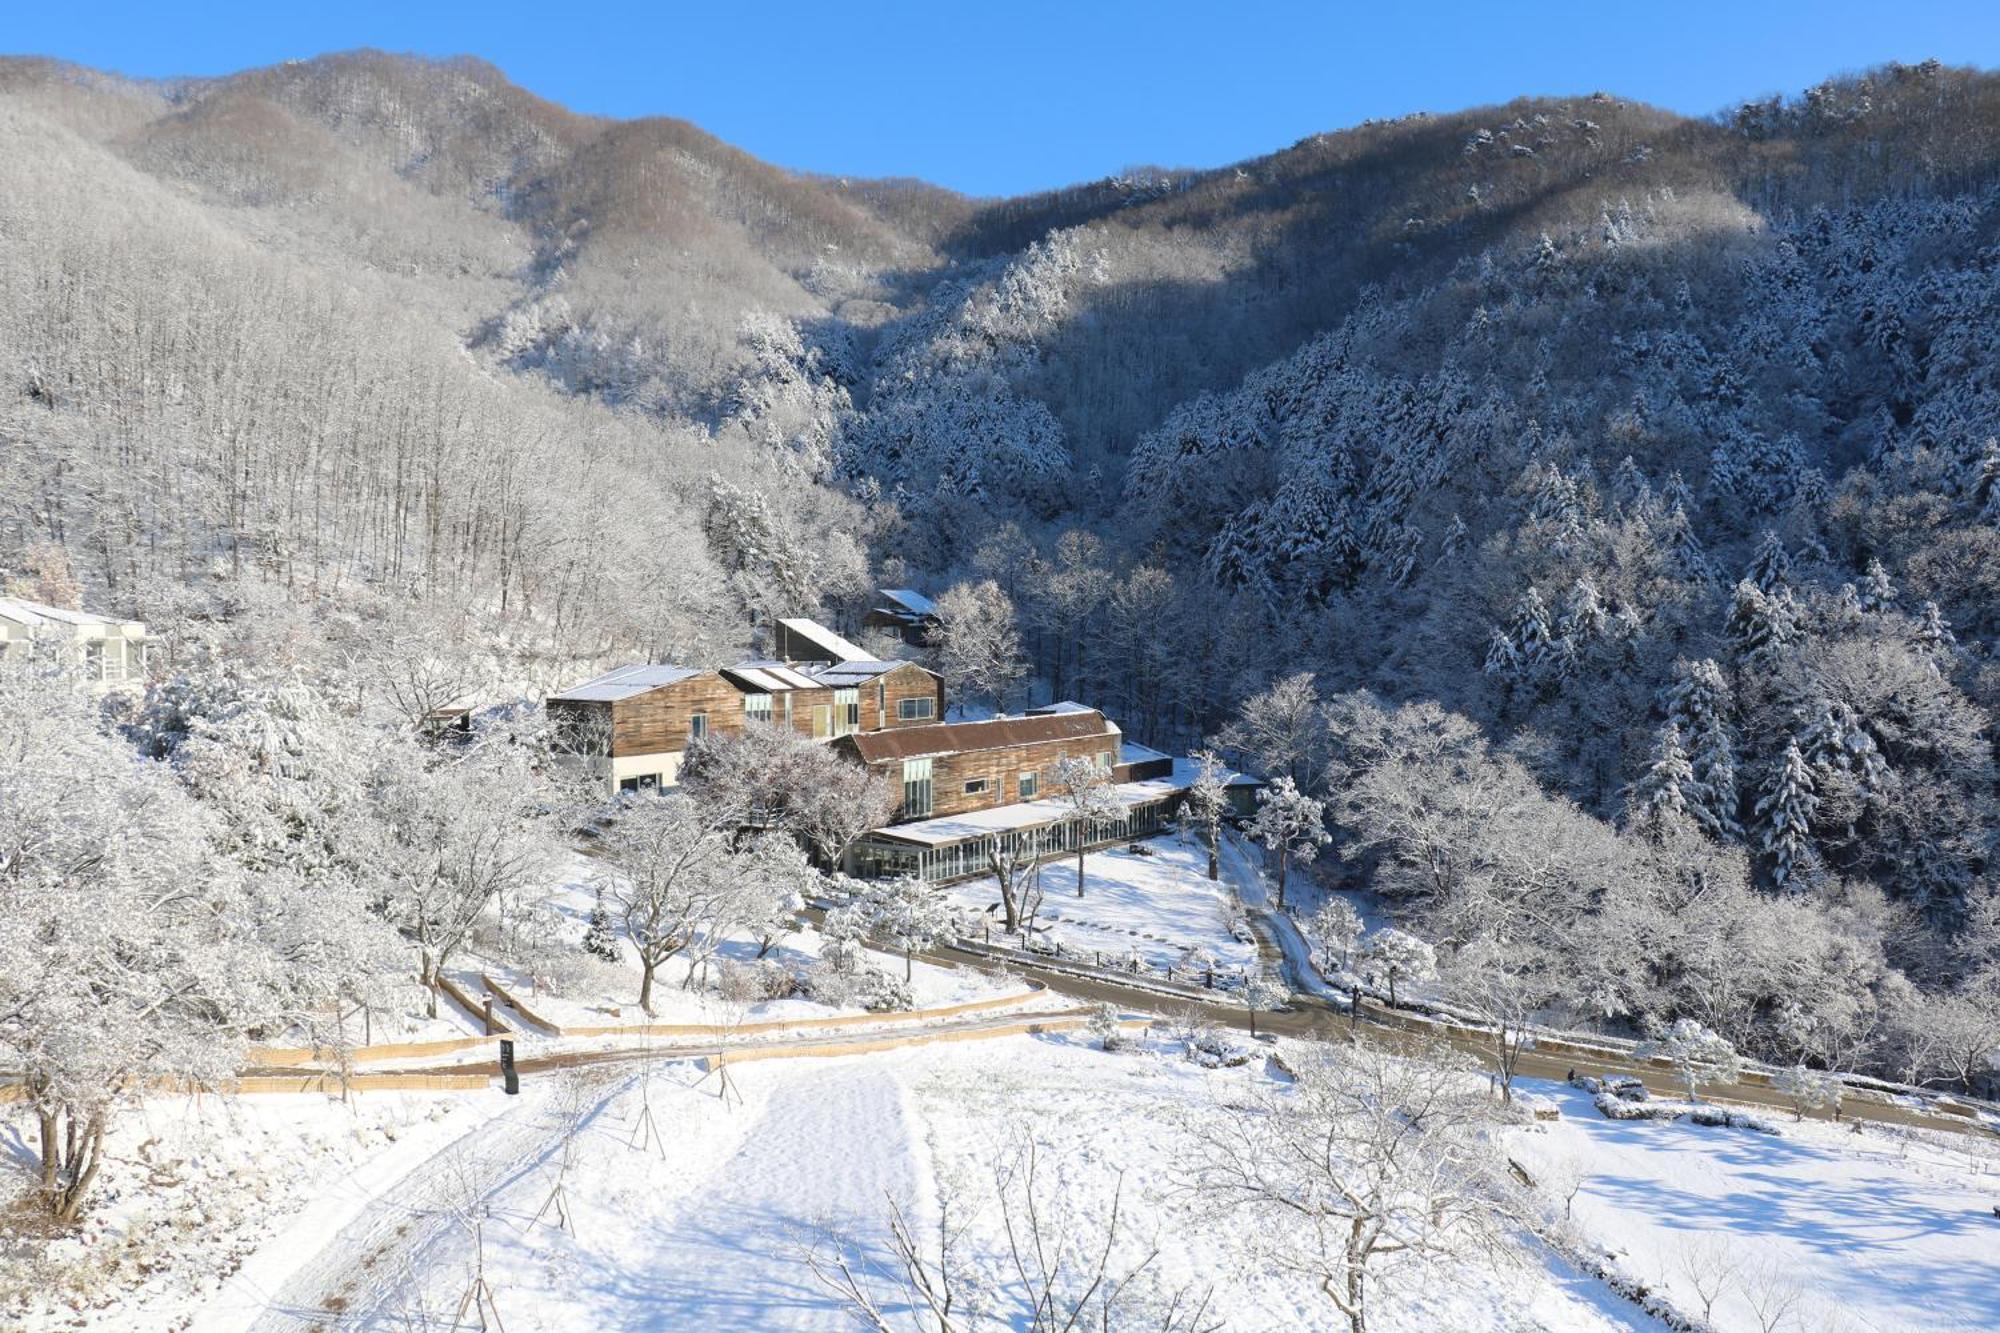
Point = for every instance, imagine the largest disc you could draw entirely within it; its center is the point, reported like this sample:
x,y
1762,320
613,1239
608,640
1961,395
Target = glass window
x,y
93,658
847,710
757,707
1028,784
975,786
911,710
1105,759
916,788
697,726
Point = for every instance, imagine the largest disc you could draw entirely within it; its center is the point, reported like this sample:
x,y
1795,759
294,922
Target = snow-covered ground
x,y
276,1213
1159,907
708,1229
592,992
1877,1230
196,1185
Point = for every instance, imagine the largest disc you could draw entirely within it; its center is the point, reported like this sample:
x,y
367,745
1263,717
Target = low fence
x,y
1068,1020
294,1057
718,1030
327,1082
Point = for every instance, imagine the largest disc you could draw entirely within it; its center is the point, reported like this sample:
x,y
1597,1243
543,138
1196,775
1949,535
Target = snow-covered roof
x,y
823,638
909,599
770,677
853,673
1061,706
994,733
1131,752
947,829
35,614
626,681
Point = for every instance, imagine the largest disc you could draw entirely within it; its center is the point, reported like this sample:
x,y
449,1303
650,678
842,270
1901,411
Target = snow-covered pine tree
x,y
1584,618
1770,568
1667,794
1784,818
1876,592
598,939
1836,741
1689,557
1760,625
1933,635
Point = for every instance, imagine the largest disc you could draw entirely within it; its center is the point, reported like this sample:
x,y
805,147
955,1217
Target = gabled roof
x,y
34,614
825,639
854,673
993,734
909,600
626,681
769,677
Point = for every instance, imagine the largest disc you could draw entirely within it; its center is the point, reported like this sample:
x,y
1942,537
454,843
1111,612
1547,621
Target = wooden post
x,y
490,1028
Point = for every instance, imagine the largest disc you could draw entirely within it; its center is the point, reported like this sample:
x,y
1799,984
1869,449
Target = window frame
x,y
914,784
698,725
916,708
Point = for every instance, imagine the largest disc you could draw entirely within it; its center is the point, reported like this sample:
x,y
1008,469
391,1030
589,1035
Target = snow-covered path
x,y
829,1153
372,1230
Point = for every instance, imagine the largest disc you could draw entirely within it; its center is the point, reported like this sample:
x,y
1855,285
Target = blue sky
x,y
1003,97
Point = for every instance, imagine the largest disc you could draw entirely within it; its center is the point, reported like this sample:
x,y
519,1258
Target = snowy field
x,y
1842,1231
710,1230
1158,907
197,1185
384,1211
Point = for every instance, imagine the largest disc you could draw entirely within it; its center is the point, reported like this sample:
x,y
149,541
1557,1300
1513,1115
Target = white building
x,y
112,652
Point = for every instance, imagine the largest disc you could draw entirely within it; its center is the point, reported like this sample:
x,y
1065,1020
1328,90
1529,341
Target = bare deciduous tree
x,y
1372,1164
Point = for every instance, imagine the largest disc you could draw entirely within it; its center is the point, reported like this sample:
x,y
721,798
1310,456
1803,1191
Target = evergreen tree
x,y
597,936
1784,815
1770,568
1584,619
1697,706
1689,557
1761,625
1876,592
1933,634
1667,794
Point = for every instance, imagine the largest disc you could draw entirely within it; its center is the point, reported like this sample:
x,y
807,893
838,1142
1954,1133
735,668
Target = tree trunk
x,y
909,954
1214,856
1283,864
646,967
1357,1284
1079,863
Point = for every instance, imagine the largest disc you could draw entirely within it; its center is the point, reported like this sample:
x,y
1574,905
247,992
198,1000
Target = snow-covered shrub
x,y
828,983
1103,1027
754,982
882,991
1614,1107
1208,1045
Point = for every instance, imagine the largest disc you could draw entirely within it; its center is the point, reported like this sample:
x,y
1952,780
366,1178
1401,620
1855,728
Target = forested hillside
x,y
1628,484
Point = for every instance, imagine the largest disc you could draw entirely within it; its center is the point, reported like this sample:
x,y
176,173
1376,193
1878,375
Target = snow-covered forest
x,y
1589,516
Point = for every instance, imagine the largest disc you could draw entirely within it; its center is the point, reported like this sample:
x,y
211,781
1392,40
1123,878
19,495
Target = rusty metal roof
x,y
996,733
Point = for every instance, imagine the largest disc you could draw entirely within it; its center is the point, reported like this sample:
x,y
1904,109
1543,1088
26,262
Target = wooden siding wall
x,y
657,721
1001,768
878,710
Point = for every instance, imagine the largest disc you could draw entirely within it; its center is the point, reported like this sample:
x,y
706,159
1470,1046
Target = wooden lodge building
x,y
633,725
968,785
964,785
904,612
